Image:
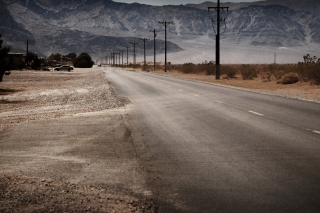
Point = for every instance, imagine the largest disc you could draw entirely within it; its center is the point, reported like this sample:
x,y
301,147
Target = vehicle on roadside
x,y
63,67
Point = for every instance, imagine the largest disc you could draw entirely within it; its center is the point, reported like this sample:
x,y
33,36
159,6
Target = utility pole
x,y
127,54
114,58
27,56
155,32
122,56
218,9
144,47
119,58
134,52
166,24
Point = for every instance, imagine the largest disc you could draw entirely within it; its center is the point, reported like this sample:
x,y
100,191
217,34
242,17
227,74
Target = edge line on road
x,y
218,101
316,131
256,113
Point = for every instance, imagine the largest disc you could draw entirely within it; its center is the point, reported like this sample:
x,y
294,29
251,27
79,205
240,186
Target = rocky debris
x,y
26,96
27,194
45,95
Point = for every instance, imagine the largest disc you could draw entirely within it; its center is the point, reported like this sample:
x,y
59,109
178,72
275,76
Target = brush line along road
x,y
209,148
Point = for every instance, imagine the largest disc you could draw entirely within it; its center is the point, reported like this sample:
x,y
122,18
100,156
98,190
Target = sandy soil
x,y
300,90
64,146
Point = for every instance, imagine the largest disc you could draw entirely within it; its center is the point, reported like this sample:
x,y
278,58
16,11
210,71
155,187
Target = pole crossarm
x,y
165,24
218,8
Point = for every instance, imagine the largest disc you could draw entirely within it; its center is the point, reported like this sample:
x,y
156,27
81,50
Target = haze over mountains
x,y
254,31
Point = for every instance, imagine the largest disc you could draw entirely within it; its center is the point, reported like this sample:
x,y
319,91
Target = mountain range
x,y
252,32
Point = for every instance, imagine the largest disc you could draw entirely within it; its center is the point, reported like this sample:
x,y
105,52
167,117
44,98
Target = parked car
x,y
63,67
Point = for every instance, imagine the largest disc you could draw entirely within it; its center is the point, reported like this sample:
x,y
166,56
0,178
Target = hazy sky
x,y
176,2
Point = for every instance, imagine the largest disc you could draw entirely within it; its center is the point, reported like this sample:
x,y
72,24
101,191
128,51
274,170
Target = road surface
x,y
209,148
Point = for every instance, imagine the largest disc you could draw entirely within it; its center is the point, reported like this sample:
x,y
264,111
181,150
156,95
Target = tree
x,y
55,57
36,63
83,61
31,57
73,56
4,65
310,60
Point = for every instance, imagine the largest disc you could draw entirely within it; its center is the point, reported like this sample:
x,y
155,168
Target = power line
x,y
219,19
155,33
166,24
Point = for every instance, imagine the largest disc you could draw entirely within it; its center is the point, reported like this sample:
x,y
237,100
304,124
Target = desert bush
x,y
248,72
312,73
278,74
289,78
272,68
228,70
206,67
188,68
266,76
146,67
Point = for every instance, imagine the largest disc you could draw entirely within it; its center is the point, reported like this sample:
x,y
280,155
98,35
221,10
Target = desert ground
x,y
64,145
300,90
51,159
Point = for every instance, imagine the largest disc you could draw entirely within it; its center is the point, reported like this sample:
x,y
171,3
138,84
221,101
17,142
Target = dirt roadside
x,y
65,147
300,90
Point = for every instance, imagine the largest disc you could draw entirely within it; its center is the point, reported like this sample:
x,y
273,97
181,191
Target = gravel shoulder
x,y
300,90
65,146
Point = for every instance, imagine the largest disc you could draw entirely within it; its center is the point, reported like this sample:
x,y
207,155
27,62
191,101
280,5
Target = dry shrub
x,y
147,67
230,71
289,78
248,72
188,68
207,67
266,77
311,72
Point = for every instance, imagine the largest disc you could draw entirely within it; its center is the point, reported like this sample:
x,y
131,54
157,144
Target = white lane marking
x,y
317,132
219,101
180,90
196,95
256,113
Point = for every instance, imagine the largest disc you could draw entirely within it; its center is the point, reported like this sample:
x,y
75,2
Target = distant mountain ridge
x,y
103,26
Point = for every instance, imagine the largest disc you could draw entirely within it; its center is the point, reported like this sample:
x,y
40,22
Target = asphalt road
x,y
208,148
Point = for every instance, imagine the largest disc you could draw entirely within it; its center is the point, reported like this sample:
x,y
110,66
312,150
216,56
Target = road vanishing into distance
x,y
209,148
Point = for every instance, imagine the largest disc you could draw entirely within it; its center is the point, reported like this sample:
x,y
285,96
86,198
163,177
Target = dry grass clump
x,y
207,68
229,70
248,72
282,73
289,78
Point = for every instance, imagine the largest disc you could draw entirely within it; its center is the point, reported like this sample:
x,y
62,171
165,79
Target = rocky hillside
x,y
99,27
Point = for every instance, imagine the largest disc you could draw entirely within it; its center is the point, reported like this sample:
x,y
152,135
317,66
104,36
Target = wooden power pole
x,y
219,9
